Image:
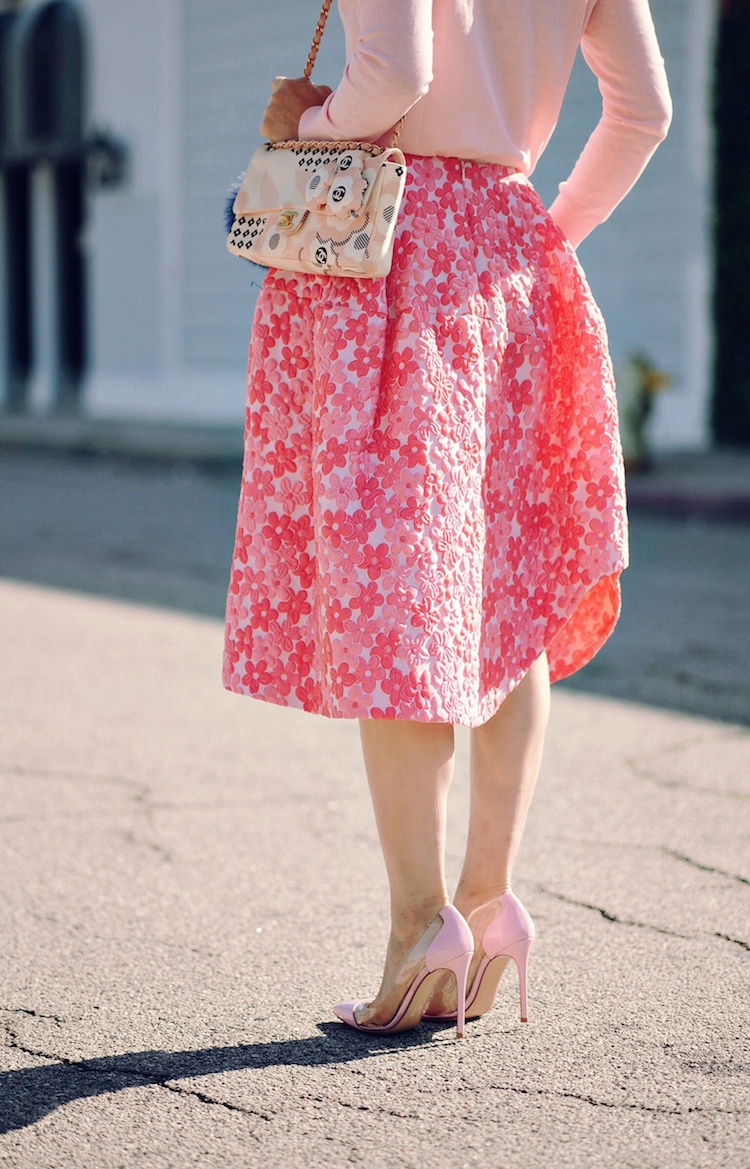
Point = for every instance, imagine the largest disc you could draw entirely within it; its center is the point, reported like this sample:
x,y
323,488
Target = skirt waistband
x,y
464,165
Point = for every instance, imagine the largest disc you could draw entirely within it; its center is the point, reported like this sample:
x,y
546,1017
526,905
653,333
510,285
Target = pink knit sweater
x,y
485,79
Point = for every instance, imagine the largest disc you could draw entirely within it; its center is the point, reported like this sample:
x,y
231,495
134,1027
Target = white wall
x,y
184,82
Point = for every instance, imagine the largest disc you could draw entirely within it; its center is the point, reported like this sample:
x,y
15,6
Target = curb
x,y
139,441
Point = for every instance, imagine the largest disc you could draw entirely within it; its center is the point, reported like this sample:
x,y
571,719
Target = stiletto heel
x,y
519,952
450,950
508,936
460,967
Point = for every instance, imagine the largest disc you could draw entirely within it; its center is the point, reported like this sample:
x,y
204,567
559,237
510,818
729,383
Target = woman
x,y
432,519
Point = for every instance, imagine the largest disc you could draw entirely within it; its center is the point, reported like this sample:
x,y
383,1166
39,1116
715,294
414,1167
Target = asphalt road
x,y
190,879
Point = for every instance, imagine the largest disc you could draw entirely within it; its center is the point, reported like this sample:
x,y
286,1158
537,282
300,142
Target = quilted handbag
x,y
324,207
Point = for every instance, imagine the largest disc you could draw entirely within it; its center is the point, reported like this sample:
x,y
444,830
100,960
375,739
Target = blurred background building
x,y
123,124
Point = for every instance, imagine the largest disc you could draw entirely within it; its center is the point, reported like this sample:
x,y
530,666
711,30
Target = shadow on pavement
x,y
29,1094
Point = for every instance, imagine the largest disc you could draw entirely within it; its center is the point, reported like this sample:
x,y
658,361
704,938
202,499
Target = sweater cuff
x,y
312,125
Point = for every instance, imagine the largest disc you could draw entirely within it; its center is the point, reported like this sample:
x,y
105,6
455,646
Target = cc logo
x,y
337,194
345,162
321,256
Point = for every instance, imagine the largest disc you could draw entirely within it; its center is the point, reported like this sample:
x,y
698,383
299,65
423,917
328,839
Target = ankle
x,y
410,920
471,897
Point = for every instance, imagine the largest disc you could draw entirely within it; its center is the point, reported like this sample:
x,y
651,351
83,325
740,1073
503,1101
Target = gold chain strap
x,y
310,64
370,147
317,37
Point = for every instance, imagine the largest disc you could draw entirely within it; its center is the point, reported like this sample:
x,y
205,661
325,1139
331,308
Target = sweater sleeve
x,y
619,45
388,70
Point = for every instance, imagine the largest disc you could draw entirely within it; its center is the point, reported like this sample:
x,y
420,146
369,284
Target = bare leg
x,y
409,770
506,754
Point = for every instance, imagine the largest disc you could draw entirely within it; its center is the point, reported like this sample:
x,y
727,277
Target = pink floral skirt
x,y
433,490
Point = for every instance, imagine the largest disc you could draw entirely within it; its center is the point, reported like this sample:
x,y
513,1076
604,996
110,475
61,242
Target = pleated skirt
x,y
433,490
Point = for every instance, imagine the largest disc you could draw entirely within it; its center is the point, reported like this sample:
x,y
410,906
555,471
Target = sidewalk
x,y
191,879
712,485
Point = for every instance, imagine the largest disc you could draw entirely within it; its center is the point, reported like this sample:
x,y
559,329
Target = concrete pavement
x,y
191,879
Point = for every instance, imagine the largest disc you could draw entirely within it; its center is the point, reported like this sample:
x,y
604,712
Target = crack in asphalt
x,y
130,837
643,772
688,860
605,913
734,941
33,1014
653,1109
375,1109
146,1079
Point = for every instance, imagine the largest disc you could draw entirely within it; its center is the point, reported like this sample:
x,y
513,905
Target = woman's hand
x,y
290,98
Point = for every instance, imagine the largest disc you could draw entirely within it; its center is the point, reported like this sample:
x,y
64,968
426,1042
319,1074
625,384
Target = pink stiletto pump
x,y
508,936
450,950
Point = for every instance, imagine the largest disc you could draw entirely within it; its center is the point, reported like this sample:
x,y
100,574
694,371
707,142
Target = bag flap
x,y
278,180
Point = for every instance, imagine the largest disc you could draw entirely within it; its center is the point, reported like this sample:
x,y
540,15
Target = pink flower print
x,y
598,494
277,530
404,366
374,561
256,674
333,455
340,490
301,532
597,535
293,495
570,533
357,328
262,613
369,492
304,570
261,482
333,527
417,511
357,527
342,678
383,712
580,571
364,360
308,694
295,605
414,452
244,641
282,636
282,459
283,679
278,324
293,359
367,598
538,604
337,615
232,653
235,582
301,658
512,432
385,647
